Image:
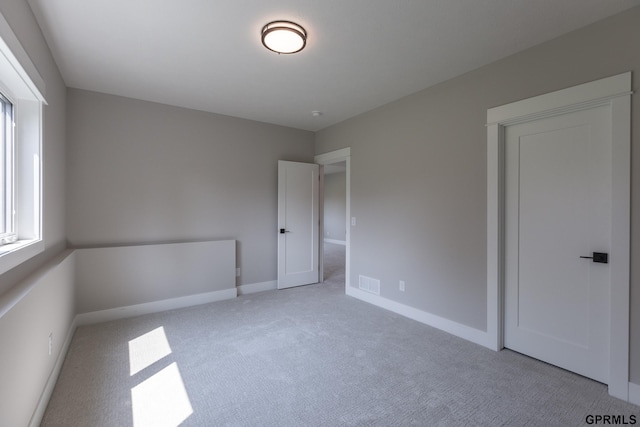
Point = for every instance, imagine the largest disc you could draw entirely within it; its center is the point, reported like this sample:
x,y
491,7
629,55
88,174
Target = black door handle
x,y
599,257
282,231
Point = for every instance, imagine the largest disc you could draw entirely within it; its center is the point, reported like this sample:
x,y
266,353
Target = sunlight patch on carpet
x,y
161,400
147,349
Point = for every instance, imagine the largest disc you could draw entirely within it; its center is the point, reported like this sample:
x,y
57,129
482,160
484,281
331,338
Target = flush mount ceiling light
x,y
284,37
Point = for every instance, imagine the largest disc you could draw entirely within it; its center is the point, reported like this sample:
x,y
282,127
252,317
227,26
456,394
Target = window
x,y
7,229
21,106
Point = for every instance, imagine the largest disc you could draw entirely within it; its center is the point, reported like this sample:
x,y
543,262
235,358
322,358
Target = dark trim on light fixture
x,y
287,27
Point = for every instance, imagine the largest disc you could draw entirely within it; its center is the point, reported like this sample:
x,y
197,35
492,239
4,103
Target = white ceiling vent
x,y
369,285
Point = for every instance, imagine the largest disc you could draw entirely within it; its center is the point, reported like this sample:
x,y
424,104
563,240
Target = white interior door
x,y
298,223
558,209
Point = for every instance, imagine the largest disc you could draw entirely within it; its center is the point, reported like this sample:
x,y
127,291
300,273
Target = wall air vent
x,y
369,285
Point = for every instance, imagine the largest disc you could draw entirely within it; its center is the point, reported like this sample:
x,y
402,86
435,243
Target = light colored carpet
x,y
334,260
308,356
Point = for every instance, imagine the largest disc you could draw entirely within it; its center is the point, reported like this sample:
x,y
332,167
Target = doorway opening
x,y
335,211
334,234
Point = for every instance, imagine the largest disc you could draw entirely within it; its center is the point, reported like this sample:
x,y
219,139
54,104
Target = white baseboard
x,y
154,307
253,288
462,331
36,418
634,394
337,242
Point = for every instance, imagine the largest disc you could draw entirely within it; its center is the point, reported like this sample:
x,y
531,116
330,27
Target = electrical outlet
x,y
50,343
353,221
401,286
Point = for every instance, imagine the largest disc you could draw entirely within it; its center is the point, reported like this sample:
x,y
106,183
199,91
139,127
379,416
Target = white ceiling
x,y
360,54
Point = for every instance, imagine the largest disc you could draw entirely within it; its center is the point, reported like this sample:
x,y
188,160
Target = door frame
x,y
615,93
331,157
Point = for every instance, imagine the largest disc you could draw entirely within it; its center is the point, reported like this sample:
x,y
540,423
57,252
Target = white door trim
x,y
614,92
338,156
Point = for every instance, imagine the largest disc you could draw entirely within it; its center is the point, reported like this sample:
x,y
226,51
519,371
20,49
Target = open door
x,y
298,223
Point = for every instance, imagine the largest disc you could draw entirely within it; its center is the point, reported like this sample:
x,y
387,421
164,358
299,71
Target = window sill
x,y
14,254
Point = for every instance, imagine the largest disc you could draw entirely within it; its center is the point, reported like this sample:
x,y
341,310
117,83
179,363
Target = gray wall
x,y
335,206
140,172
126,276
418,172
48,307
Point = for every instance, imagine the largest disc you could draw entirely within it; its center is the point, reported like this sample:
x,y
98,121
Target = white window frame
x,y
21,83
7,149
